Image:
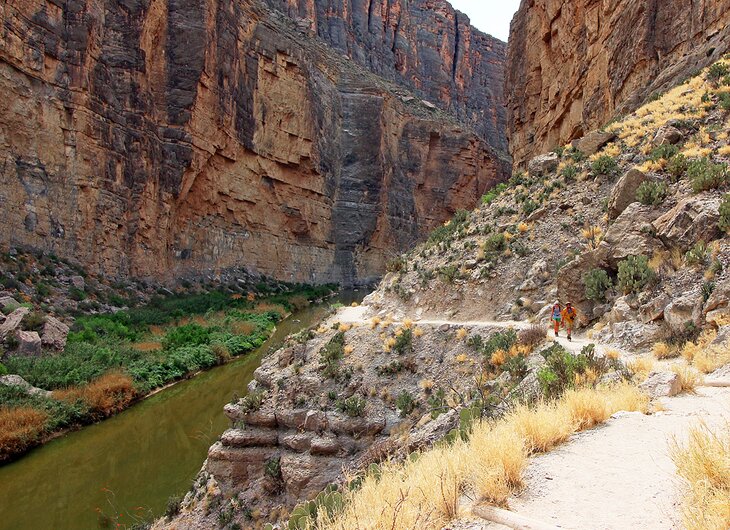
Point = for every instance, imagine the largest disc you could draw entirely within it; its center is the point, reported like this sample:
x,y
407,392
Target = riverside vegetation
x,y
112,359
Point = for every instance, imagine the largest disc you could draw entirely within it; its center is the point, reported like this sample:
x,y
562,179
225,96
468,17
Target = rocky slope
x,y
575,65
425,45
632,228
165,138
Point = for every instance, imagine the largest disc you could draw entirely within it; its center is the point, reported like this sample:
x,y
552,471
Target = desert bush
x,y
663,152
604,165
717,71
251,402
20,427
33,321
569,173
173,506
3,370
704,175
501,341
353,406
651,193
724,222
677,167
404,342
405,403
532,336
448,230
495,243
634,274
187,335
397,265
697,255
449,273
597,282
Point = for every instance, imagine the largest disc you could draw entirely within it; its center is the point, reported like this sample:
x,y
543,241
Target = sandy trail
x,y
618,476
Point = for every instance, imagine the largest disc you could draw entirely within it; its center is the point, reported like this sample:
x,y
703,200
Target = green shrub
x,y
651,193
3,370
559,372
575,154
724,222
634,274
449,273
173,506
707,289
495,243
529,206
405,403
597,282
404,342
697,255
187,335
397,265
717,71
33,321
663,152
569,173
503,340
724,100
677,166
353,406
331,354
604,165
446,232
272,468
251,402
704,175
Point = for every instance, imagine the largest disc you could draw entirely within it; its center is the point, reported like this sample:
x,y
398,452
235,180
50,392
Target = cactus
x,y
329,501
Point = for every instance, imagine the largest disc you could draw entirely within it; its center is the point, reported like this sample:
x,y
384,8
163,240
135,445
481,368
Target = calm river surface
x,y
130,464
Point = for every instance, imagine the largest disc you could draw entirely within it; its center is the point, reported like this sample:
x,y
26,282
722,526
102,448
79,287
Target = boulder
x,y
720,297
624,192
16,380
328,446
78,282
634,336
682,310
667,135
29,344
12,322
722,338
629,235
8,303
543,164
306,475
620,312
692,220
54,334
654,310
593,142
661,384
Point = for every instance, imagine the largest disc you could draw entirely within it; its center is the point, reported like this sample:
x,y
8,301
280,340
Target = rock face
x,y
165,138
423,44
572,66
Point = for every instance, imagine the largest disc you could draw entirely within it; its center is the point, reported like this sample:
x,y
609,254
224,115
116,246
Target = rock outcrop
x,y
572,66
425,45
165,138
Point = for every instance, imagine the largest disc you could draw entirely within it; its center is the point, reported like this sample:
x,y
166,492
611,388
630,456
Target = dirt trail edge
x,y
613,477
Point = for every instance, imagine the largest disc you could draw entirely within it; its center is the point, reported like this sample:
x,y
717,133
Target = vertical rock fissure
x,y
457,37
370,14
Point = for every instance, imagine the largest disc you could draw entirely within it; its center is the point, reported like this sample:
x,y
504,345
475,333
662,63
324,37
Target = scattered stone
x,y
667,135
543,164
12,322
29,344
662,384
78,282
624,192
54,334
593,142
16,380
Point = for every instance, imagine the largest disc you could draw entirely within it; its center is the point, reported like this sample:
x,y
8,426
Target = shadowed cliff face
x,y
572,66
423,44
160,138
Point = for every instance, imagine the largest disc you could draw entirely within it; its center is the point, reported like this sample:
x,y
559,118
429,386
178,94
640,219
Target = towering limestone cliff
x,y
423,44
168,137
573,66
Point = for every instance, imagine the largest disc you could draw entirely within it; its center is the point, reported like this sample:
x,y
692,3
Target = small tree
x,y
634,274
651,193
597,283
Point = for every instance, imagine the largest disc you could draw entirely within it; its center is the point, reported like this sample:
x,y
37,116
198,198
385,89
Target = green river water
x,y
129,465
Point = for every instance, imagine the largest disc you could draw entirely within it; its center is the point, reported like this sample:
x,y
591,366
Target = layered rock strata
x,y
573,66
425,45
163,138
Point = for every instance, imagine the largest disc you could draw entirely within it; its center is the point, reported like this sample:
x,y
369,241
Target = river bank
x,y
124,470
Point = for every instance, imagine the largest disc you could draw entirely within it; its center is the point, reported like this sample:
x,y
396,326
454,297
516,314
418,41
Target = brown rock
x,y
684,310
12,322
29,343
305,474
54,334
259,418
693,219
593,142
572,66
543,164
237,465
624,192
654,310
367,425
300,442
667,135
250,437
662,384
325,446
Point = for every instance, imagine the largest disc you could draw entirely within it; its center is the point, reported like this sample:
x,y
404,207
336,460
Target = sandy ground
x,y
618,476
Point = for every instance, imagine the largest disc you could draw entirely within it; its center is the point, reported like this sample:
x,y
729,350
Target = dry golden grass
x,y
662,350
705,356
426,385
407,323
348,349
704,462
344,328
418,332
424,494
612,354
461,333
689,378
724,150
147,346
641,367
265,307
243,327
523,227
106,395
19,428
498,358
461,358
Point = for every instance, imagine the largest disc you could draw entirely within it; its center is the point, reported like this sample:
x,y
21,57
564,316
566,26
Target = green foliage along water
x,y
110,358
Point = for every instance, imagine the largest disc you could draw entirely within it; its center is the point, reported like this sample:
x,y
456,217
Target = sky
x,y
490,16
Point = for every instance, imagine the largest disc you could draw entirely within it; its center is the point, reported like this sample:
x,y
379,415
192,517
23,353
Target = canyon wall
x,y
164,138
573,66
423,44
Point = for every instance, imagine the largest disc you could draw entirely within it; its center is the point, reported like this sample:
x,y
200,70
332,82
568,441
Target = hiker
x,y
569,314
557,316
